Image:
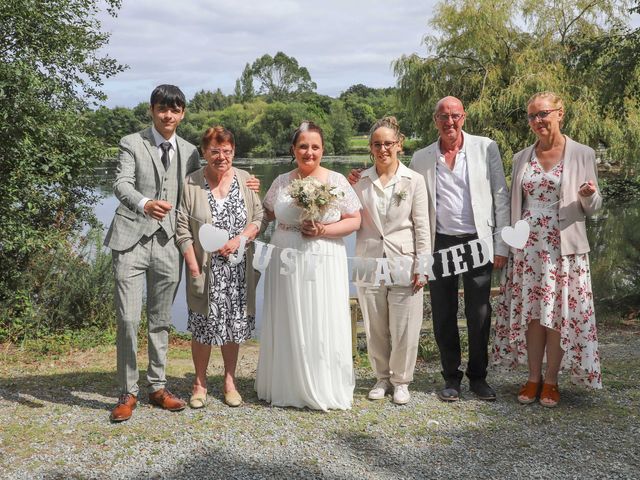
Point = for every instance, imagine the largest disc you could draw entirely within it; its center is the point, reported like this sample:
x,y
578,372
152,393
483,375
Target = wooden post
x,y
353,306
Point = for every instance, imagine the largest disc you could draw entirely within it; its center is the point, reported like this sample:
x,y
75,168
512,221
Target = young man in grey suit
x,y
468,200
152,165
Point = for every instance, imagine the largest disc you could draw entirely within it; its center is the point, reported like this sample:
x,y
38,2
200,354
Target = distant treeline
x,y
261,124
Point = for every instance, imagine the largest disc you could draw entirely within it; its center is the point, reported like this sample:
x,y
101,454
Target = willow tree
x,y
494,54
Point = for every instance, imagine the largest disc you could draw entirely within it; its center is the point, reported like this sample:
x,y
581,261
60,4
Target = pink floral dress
x,y
541,284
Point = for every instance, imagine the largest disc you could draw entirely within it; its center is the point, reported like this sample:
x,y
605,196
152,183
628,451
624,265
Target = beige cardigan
x,y
579,167
195,204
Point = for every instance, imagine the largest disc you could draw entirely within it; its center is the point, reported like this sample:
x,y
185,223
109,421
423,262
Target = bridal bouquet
x,y
313,196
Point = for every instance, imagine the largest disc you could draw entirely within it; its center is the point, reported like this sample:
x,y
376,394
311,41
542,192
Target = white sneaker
x,y
380,389
401,394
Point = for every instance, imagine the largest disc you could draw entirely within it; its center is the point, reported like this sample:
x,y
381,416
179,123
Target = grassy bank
x,y
359,144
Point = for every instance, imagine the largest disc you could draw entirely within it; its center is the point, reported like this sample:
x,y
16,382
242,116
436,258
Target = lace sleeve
x,y
349,202
272,194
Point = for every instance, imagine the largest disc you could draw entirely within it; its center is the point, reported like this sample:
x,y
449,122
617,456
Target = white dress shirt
x,y
454,213
384,194
159,139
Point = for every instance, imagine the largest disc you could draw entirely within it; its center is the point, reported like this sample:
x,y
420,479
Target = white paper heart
x,y
517,235
212,238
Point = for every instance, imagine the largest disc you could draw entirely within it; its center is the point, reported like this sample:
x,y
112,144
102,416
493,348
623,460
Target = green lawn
x,y
359,144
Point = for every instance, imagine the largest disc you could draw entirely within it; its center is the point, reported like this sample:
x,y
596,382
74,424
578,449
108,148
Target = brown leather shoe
x,y
124,408
163,398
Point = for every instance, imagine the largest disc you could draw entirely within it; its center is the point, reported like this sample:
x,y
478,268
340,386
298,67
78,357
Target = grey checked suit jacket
x,y
489,195
140,174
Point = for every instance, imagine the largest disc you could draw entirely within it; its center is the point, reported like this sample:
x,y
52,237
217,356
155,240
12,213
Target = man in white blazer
x,y
468,200
152,165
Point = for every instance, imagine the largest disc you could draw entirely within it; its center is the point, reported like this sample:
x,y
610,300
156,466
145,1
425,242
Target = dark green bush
x,y
66,288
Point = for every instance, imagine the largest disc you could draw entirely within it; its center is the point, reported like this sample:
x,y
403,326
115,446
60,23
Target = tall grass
x,y
66,290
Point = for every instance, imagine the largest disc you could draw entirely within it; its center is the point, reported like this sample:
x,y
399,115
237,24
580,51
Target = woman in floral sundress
x,y
546,303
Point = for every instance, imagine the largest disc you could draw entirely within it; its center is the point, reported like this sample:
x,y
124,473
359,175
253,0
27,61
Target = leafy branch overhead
x,y
50,71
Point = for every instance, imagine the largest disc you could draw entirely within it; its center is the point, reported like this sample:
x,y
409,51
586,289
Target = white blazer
x,y
489,194
406,229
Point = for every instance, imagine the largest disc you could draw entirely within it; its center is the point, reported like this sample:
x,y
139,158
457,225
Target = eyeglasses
x,y
443,117
216,152
386,145
542,114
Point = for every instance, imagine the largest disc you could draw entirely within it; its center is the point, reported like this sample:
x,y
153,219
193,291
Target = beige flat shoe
x,y
233,398
198,400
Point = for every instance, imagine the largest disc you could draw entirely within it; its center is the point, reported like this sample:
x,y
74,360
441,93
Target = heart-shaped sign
x,y
517,235
212,238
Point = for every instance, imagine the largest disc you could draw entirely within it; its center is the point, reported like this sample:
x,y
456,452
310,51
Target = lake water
x,y
614,234
266,170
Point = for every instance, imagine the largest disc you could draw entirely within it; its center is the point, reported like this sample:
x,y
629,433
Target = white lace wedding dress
x,y
305,344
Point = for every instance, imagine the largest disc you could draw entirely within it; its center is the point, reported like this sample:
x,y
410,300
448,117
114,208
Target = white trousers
x,y
392,320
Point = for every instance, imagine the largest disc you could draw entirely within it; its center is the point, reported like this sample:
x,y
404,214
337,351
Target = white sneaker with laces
x,y
380,389
401,394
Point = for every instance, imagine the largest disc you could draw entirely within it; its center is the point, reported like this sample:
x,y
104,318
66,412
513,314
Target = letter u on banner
x,y
239,255
261,261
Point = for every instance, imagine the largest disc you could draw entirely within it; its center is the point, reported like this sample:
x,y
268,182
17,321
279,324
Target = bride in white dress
x,y
305,344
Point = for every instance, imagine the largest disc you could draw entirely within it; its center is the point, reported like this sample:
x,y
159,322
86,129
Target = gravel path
x,y
54,417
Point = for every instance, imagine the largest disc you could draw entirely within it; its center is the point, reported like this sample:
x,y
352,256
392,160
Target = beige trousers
x,y
392,321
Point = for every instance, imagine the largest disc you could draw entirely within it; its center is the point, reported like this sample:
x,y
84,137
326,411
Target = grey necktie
x,y
166,147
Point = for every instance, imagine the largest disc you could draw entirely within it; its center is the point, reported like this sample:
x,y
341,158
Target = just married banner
x,y
397,270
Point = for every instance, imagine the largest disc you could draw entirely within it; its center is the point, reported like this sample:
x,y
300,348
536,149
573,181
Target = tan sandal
x,y
233,398
198,400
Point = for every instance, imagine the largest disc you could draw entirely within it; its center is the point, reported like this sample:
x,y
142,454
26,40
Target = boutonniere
x,y
400,196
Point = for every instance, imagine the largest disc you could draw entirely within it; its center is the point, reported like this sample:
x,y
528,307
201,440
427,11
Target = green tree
x,y
361,113
50,68
272,129
111,124
281,76
141,111
340,120
244,90
365,105
205,100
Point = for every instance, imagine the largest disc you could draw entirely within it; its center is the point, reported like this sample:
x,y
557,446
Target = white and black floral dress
x,y
227,320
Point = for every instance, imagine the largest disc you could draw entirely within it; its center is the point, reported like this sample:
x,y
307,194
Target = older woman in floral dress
x,y
220,293
546,302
